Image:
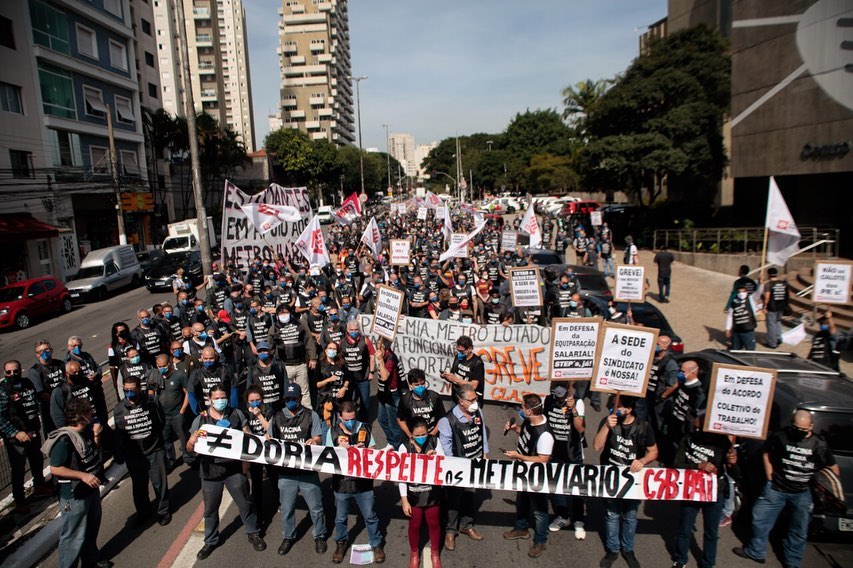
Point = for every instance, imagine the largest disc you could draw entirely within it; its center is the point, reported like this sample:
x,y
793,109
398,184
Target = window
x,y
100,159
146,26
10,98
50,27
113,7
118,55
129,163
152,90
66,148
149,59
35,289
87,43
124,110
21,163
49,284
57,91
7,34
94,102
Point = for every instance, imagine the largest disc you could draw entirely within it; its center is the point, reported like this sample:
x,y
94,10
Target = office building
x,y
402,146
314,55
421,153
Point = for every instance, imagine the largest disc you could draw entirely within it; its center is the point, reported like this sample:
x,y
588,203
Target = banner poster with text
x,y
740,400
630,284
524,285
624,362
422,213
584,480
573,347
516,357
457,238
439,212
386,313
241,241
509,240
400,251
832,280
595,218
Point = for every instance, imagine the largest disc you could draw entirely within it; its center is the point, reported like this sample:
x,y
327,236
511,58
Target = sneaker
x,y
726,521
516,534
559,523
739,551
678,565
340,551
631,559
609,559
285,546
536,550
320,546
205,551
257,542
580,531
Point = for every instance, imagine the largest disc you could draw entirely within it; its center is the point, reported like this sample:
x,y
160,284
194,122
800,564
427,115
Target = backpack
x,y
627,258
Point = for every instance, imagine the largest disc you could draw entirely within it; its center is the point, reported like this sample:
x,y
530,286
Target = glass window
x,y
118,55
94,102
152,90
124,110
35,289
146,26
10,98
87,42
57,91
100,159
113,7
149,59
7,33
21,163
129,163
49,284
50,27
66,148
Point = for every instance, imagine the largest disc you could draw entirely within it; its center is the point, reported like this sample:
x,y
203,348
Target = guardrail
x,y
742,240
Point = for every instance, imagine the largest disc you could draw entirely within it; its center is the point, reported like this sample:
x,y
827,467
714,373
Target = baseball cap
x,y
262,345
224,316
293,391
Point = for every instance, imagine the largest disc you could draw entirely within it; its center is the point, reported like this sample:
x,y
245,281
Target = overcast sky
x,y
438,67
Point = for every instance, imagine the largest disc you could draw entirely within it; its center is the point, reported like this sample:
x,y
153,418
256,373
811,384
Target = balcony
x,y
324,57
208,94
317,100
201,13
319,135
204,40
318,47
304,81
324,6
206,68
325,112
296,114
289,48
297,60
288,103
312,124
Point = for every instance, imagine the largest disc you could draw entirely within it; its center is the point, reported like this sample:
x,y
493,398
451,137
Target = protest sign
x,y
524,287
422,213
625,355
630,284
573,347
832,282
456,239
509,240
241,240
595,218
400,251
557,477
439,212
386,314
740,400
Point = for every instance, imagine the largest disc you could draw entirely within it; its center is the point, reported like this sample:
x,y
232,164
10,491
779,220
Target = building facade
x,y
314,55
402,146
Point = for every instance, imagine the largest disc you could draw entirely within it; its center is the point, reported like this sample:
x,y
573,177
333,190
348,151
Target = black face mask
x,y
796,435
78,378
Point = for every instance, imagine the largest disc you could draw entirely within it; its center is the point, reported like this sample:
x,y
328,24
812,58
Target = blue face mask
x,y
178,353
681,377
460,355
130,395
348,424
184,302
419,390
564,286
292,405
420,440
76,350
657,348
321,308
354,334
220,404
163,370
263,355
346,306
203,336
255,404
522,415
146,321
199,308
46,355
331,353
238,305
168,315
573,304
253,311
334,317
824,327
134,360
208,364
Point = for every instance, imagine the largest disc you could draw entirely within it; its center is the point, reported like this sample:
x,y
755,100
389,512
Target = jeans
x,y
774,328
561,503
19,455
711,515
78,537
663,287
299,374
460,508
260,488
620,513
729,503
609,269
388,421
365,501
173,429
151,468
238,488
362,395
744,340
289,486
764,514
538,503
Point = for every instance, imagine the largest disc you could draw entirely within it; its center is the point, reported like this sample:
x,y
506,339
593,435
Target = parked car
x,y
801,385
542,256
580,208
324,214
161,277
149,259
592,282
22,302
105,270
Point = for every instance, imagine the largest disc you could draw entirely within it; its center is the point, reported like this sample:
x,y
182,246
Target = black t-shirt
x,y
664,260
430,408
171,390
795,463
471,369
627,442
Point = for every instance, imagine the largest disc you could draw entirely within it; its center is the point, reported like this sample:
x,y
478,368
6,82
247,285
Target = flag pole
x,y
763,255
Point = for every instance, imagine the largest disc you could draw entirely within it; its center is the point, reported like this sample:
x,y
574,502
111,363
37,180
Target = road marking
x,y
182,552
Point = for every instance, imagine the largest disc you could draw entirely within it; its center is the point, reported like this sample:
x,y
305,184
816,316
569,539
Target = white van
x,y
105,270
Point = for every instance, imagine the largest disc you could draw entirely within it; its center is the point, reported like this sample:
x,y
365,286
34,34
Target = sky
x,y
436,68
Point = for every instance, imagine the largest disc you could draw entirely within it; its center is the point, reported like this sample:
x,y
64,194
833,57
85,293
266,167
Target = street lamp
x,y
451,178
388,155
358,81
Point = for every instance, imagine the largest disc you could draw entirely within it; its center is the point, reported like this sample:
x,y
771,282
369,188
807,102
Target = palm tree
x,y
579,100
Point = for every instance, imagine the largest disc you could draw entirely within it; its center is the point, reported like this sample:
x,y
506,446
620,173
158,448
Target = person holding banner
x,y
688,401
623,439
467,368
565,415
535,444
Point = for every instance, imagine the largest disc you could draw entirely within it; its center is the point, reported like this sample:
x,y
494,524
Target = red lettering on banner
x,y
438,478
660,484
697,485
392,462
425,459
354,458
317,242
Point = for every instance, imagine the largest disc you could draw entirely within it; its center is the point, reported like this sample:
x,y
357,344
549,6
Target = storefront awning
x,y
23,227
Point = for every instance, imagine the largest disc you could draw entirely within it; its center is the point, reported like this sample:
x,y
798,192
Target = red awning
x,y
22,227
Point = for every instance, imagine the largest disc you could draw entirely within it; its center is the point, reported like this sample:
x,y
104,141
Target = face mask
x,y
203,336
311,294
741,295
46,355
354,334
681,377
199,309
796,435
263,355
460,355
284,318
564,286
334,317
419,390
167,315
208,364
473,407
184,302
292,405
331,353
657,348
219,404
76,350
824,327
461,282
178,353
253,311
348,424
321,308
130,395
238,305
134,360
255,403
346,306
612,310
522,415
573,304
420,440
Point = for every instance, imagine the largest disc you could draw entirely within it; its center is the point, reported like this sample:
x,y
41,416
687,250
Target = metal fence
x,y
742,240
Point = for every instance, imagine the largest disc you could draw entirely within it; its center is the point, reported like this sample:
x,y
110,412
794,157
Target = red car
x,y
22,301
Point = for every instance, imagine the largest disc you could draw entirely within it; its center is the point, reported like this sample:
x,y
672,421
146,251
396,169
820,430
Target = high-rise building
x,y
421,153
216,35
314,55
403,150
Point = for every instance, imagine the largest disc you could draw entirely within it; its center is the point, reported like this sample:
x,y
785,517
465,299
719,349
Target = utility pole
x,y
358,81
459,173
388,156
122,236
189,109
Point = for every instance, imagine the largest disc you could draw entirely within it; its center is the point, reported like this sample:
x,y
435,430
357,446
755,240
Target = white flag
x,y
312,245
265,217
794,336
530,226
447,229
372,238
453,250
783,238
433,201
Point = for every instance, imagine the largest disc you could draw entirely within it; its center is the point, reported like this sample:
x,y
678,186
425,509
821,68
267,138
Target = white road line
x,y
186,558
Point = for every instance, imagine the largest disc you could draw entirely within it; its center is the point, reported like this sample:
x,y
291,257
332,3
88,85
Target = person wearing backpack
x,y
631,254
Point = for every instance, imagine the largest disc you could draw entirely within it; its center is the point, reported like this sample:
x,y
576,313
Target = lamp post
x,y
450,177
388,156
358,81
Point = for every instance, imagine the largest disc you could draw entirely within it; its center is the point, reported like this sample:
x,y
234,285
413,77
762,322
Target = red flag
x,y
349,210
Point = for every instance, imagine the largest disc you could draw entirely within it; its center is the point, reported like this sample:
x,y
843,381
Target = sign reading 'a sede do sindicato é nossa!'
x,y
740,400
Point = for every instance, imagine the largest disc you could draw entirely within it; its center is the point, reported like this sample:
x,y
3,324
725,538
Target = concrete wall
x,y
730,263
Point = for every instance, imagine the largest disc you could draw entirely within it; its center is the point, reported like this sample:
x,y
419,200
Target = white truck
x,y
183,236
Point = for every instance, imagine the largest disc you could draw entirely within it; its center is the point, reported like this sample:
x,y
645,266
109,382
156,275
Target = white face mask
x,y
742,295
473,407
284,318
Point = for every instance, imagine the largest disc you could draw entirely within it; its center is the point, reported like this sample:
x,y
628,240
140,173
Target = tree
x,y
551,173
536,132
292,150
580,100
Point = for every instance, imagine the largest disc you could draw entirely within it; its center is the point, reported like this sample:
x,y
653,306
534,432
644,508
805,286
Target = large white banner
x,y
606,481
241,241
740,400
